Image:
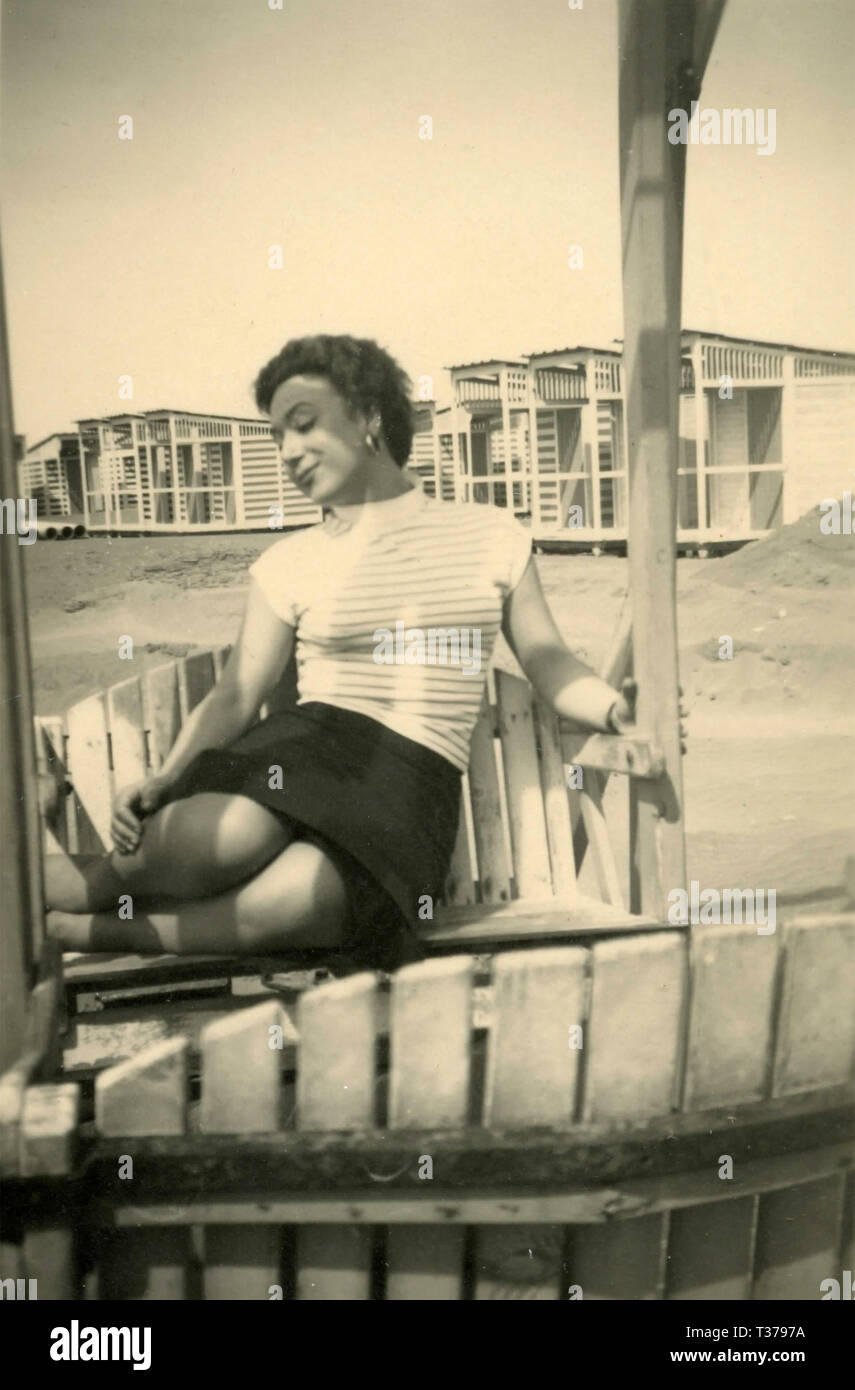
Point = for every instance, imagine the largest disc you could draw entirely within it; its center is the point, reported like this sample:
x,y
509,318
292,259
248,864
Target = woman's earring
x,y
372,443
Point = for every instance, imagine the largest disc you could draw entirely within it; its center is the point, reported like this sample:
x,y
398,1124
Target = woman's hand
x,y
622,712
131,806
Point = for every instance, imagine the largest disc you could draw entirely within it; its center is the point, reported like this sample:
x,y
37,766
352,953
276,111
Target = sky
x,y
255,127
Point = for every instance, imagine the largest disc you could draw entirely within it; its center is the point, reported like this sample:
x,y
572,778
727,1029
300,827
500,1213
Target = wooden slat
x,y
816,1030
89,766
798,1240
799,1229
728,1061
710,1250
337,1027
49,1257
162,710
50,750
430,1030
532,1078
195,679
424,1263
460,883
49,1134
608,879
522,780
220,657
634,1044
730,1021
633,1062
48,1147
39,1056
533,1070
494,871
486,924
337,1024
241,1094
634,757
556,804
146,1095
127,737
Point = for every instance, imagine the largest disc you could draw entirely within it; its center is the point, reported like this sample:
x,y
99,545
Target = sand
x,y
770,770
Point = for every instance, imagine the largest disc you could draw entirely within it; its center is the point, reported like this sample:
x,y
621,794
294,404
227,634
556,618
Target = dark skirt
x,y
383,807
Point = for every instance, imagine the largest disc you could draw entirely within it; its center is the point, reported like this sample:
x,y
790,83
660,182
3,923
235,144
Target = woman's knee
x,y
300,899
206,843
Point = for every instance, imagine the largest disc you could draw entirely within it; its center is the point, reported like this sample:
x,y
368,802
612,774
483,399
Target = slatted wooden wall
x,y
615,1036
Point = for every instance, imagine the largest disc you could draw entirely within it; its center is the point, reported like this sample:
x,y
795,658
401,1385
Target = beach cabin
x,y
49,473
489,442
166,470
576,421
424,462
765,434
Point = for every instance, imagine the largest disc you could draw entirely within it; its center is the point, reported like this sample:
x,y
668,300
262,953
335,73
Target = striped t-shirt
x,y
397,617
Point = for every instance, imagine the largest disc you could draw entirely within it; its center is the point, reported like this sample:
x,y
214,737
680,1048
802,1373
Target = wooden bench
x,y
522,837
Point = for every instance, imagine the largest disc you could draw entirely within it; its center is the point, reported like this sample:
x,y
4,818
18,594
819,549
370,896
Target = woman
x,y
330,823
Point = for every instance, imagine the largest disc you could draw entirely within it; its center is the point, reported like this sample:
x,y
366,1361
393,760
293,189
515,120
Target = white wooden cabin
x,y
766,433
489,433
167,470
49,473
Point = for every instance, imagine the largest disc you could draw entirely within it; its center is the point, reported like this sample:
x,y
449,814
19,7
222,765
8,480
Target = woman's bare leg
x,y
299,899
192,848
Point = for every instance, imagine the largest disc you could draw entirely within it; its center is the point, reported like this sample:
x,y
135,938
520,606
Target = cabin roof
x,y
580,347
168,410
489,362
57,434
761,342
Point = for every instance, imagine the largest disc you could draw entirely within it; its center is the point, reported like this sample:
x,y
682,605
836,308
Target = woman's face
x,y
321,443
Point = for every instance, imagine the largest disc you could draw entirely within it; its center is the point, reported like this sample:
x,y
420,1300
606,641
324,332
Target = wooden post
x,y
664,45
455,448
790,509
172,446
533,457
504,392
237,477
701,435
591,445
21,915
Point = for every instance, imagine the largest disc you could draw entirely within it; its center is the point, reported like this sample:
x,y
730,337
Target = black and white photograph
x,y
427,436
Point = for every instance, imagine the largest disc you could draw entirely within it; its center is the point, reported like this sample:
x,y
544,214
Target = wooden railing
x,y
469,389
823,366
558,384
741,364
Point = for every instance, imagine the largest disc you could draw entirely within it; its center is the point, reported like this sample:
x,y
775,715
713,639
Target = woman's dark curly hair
x,y
363,374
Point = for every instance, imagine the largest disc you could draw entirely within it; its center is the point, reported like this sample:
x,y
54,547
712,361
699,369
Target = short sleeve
x,y
516,552
275,571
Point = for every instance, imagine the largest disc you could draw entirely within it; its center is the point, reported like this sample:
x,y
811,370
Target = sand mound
x,y
798,556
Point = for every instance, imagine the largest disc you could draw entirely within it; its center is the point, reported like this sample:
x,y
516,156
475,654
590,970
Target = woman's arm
x,y
565,682
256,663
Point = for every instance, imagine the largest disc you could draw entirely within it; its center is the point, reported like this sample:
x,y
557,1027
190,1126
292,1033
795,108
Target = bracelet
x,y
612,724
